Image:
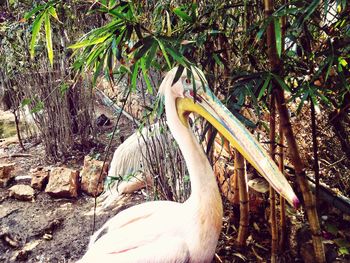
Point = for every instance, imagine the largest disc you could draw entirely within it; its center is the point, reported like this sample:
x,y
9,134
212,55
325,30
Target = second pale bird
x,y
164,231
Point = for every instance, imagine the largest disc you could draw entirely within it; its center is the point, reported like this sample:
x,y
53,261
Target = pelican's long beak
x,y
209,107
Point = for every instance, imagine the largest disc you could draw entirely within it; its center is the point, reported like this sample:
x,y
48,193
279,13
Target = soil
x,y
50,229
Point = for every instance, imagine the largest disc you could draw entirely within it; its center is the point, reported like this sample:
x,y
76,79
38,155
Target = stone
x,y
63,183
39,178
5,173
259,185
91,177
22,192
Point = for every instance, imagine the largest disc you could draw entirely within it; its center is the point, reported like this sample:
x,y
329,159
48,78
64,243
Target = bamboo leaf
x,y
135,73
178,74
151,54
48,37
281,82
145,75
180,13
278,35
90,42
266,83
33,11
142,51
53,13
35,30
176,55
164,53
312,7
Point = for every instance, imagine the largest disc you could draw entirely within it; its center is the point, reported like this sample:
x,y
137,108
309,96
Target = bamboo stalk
x,y
309,201
283,236
315,151
273,221
243,199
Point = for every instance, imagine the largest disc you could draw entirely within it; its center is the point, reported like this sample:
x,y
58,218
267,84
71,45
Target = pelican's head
x,y
192,94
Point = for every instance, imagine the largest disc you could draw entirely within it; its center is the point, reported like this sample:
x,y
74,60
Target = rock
x,y
91,177
63,183
40,178
103,120
5,173
22,192
260,185
22,179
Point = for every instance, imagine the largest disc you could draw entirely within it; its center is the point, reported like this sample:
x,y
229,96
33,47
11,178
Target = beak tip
x,y
296,203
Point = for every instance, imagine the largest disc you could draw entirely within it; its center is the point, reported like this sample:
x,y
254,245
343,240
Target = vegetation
x,y
253,53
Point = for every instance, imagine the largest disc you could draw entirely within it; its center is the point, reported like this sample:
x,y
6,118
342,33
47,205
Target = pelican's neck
x,y
203,182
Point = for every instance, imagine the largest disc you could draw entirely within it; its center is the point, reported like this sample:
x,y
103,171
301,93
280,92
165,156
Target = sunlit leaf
x,y
35,30
278,36
180,13
53,13
90,42
48,37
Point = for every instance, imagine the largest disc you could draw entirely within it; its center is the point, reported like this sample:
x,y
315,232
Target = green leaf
x,y
145,75
48,37
35,30
53,13
63,88
343,251
164,53
330,64
151,54
278,36
311,8
266,83
134,75
142,51
176,55
38,107
281,82
303,99
90,42
25,102
178,74
34,11
180,13
263,28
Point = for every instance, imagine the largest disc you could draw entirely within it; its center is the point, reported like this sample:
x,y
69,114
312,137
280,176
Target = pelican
x,y
165,231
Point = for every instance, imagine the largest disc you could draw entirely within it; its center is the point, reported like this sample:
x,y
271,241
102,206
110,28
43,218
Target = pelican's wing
x,y
137,230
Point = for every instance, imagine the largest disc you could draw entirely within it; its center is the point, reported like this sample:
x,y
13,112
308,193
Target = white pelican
x,y
164,231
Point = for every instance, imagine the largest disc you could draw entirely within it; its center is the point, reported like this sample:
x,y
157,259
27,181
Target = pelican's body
x,y
164,231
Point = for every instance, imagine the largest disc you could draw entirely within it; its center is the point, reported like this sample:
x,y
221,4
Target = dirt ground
x,y
50,229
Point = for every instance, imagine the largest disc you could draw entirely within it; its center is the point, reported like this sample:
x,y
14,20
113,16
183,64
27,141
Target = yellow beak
x,y
210,108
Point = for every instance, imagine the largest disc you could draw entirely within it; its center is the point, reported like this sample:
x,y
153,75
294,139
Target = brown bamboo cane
x,y
273,221
283,236
309,199
243,199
